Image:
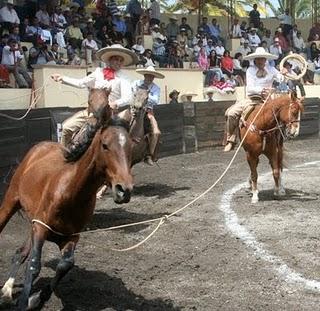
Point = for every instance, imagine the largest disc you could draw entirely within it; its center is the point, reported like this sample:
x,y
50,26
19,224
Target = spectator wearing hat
x,y
209,91
254,16
135,10
155,33
8,16
154,10
172,29
244,48
147,83
11,59
187,97
173,95
254,39
112,76
187,27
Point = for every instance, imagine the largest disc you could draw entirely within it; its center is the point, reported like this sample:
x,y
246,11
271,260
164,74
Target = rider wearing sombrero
x,y
115,57
147,83
259,79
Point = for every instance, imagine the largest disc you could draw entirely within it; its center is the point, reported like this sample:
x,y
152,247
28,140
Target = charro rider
x,y
259,76
115,56
147,83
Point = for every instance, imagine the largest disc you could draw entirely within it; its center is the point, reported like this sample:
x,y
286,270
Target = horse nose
x,y
122,194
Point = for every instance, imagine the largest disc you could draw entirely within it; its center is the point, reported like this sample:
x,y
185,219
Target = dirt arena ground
x,y
221,253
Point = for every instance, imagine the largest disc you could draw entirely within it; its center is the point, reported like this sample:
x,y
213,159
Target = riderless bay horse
x,y
278,118
59,197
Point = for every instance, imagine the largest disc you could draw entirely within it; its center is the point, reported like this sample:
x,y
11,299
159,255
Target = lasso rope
x,y
163,219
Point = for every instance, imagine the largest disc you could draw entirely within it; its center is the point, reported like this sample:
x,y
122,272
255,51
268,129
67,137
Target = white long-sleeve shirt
x,y
9,16
255,85
120,86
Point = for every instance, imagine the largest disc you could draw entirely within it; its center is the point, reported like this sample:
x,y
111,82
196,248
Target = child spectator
x,y
203,59
89,48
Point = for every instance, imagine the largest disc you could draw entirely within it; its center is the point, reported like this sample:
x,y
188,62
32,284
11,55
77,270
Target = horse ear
x,y
294,96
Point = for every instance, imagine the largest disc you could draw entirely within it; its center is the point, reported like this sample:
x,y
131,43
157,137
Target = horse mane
x,y
88,133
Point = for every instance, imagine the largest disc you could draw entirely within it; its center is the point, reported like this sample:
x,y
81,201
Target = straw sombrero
x,y
129,56
187,94
150,71
260,53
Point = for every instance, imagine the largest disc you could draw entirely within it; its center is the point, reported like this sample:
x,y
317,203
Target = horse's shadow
x,y
160,191
96,290
117,216
291,195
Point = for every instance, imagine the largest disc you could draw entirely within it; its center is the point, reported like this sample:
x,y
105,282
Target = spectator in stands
x,y
159,50
205,27
103,19
67,15
219,50
89,48
282,40
215,31
210,46
254,16
196,49
172,29
143,26
14,34
135,10
313,52
214,69
243,28
174,55
57,19
265,46
238,69
254,39
112,7
203,59
227,64
3,43
138,47
174,97
115,36
43,16
55,55
314,31
103,36
119,23
129,34
74,32
154,10
209,92
148,58
11,59
286,22
155,33
163,29
235,31
187,27
276,49
8,16
33,31
89,28
298,43
73,52
244,49
38,53
267,38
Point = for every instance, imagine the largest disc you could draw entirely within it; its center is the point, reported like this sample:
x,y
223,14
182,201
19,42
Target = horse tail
x,y
10,205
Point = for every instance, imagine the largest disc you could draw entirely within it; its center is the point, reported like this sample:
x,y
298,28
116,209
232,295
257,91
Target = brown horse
x,y
278,118
59,198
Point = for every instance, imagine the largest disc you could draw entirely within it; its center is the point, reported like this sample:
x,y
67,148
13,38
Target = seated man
x,y
259,77
149,74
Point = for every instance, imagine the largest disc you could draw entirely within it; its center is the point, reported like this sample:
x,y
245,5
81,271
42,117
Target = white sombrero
x,y
208,90
150,71
129,56
187,94
260,53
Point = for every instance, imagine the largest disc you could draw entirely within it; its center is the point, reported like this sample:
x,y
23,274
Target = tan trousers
x,y
154,136
233,114
72,125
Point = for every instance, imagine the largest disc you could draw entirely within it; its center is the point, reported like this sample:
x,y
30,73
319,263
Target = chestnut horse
x,y
279,117
59,198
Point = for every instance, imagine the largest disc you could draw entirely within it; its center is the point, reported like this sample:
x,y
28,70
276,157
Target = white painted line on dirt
x,y
240,231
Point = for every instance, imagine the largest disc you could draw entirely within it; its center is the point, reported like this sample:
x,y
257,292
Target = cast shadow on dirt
x,y
160,191
83,290
108,218
291,195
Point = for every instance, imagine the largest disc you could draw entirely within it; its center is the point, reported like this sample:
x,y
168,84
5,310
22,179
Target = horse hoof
x,y
34,301
254,199
7,290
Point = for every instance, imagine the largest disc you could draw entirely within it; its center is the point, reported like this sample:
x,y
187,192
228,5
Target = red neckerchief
x,y
108,73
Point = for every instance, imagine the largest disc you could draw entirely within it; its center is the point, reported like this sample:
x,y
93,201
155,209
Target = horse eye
x,y
105,147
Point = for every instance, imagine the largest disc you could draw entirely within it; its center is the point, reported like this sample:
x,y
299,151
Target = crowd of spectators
x,y
69,35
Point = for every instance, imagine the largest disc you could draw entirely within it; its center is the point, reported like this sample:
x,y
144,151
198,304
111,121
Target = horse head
x,y
290,115
99,104
139,100
114,158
